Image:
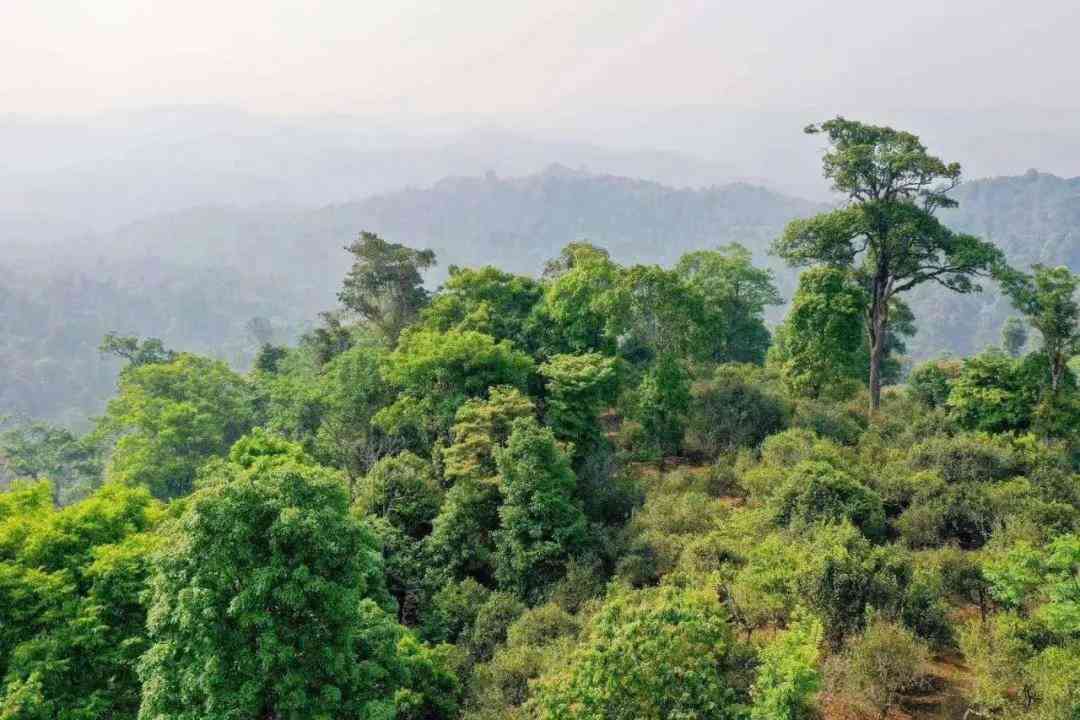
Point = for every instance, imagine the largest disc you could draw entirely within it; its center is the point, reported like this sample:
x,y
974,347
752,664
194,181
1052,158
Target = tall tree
x,y
1047,297
887,236
385,286
136,352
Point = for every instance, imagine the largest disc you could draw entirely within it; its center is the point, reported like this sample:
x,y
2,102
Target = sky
x,y
558,62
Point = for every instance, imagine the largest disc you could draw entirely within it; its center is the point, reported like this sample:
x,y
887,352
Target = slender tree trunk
x,y
1057,370
879,318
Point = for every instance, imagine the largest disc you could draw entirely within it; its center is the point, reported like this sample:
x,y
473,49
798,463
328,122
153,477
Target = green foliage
x,y
462,541
385,286
487,300
734,295
653,310
403,490
650,655
171,418
579,387
38,450
1054,677
881,664
995,393
1014,336
437,372
261,567
481,426
818,492
135,352
543,525
574,316
71,613
1043,581
788,678
931,383
1047,298
820,345
964,514
663,404
846,576
887,237
735,408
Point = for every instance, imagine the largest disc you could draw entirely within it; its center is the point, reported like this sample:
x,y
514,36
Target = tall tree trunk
x,y
878,321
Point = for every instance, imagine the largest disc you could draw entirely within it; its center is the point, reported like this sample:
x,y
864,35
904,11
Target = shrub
x,y
961,513
881,664
493,619
829,420
788,678
403,490
818,492
931,382
651,655
966,458
734,410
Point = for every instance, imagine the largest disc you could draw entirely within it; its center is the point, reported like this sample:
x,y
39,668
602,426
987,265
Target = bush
x,y
403,490
651,655
788,678
829,420
733,410
882,664
961,513
818,492
493,619
931,382
994,393
844,576
966,458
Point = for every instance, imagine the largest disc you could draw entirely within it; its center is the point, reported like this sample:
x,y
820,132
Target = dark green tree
x,y
734,295
887,236
543,524
819,348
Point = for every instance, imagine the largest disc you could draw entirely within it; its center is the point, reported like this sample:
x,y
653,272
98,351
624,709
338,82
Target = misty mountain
x,y
65,178
195,277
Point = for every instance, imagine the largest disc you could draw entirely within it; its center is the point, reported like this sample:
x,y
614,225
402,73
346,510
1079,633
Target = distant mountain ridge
x,y
194,277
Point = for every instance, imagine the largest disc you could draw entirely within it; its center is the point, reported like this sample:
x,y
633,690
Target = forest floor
x,y
942,696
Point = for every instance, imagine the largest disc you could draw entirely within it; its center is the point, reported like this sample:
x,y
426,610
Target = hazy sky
x,y
556,57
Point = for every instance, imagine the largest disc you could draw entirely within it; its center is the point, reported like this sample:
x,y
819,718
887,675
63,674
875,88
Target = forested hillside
x,y
196,277
603,490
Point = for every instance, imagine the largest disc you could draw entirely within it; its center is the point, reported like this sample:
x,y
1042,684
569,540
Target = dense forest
x,y
564,484
197,278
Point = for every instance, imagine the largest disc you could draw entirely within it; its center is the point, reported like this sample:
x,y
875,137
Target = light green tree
x,y
170,418
651,655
